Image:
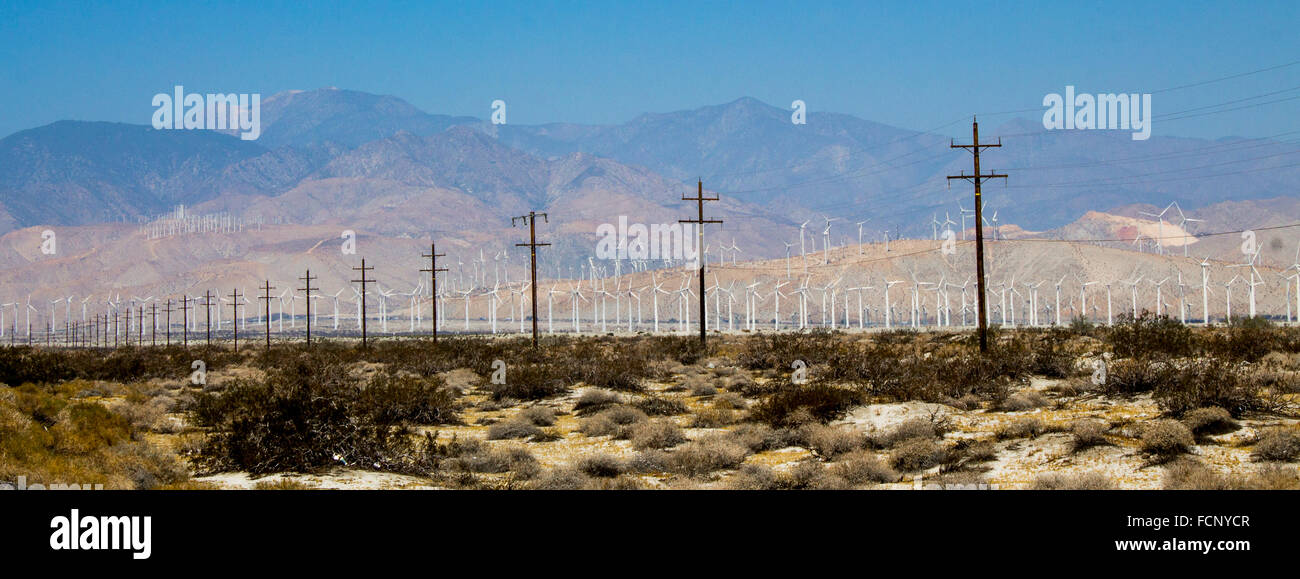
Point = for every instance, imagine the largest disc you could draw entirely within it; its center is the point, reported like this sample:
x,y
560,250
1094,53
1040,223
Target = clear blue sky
x,y
911,64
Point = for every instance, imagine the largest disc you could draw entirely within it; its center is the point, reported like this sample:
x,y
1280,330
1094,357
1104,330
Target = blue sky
x,y
912,64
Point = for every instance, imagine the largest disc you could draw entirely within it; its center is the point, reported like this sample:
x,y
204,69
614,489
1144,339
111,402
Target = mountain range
x,y
380,166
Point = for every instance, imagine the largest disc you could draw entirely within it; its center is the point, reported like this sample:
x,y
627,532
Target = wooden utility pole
x,y
699,200
363,281
207,311
185,320
234,317
167,331
433,270
532,245
266,297
975,147
307,288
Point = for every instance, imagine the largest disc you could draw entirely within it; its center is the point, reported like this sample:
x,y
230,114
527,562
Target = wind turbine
x,y
889,306
1205,290
826,239
861,248
802,253
776,308
1133,288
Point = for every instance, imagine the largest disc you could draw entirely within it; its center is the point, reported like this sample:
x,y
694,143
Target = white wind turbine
x,y
889,306
1159,285
550,302
1133,289
802,291
1295,265
1227,296
788,245
1057,309
1255,279
656,289
861,248
1160,244
1083,295
1205,290
776,305
826,239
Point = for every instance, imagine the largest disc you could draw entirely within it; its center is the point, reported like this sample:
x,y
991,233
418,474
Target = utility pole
x,y
433,270
699,200
307,279
975,147
266,297
185,320
234,318
532,245
363,281
168,330
207,310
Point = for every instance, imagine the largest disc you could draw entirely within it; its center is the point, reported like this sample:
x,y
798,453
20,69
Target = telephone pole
x,y
167,331
185,320
699,200
266,297
207,310
363,281
532,245
234,316
975,147
306,287
433,270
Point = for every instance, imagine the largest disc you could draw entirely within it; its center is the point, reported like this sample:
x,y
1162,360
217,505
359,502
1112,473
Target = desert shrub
x,y
778,350
730,400
1024,400
616,421
1088,481
912,428
593,401
538,416
1087,434
710,454
760,437
753,477
302,418
1126,377
1149,336
713,417
656,434
831,441
917,454
699,385
810,475
531,381
563,479
1166,439
1209,420
513,429
485,459
798,404
1051,358
683,349
1209,382
1274,477
1192,475
649,462
1244,339
659,406
981,451
390,399
600,466
861,467
1021,428
84,427
1278,444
